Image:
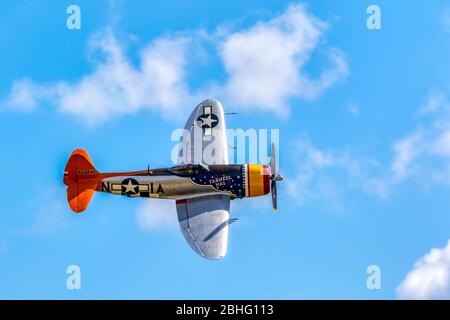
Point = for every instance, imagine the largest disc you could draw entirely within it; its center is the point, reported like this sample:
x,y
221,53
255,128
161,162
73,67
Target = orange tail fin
x,y
81,179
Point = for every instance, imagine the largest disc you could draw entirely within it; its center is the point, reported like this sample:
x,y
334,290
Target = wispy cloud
x,y
424,153
258,75
157,214
49,214
446,18
430,277
353,109
43,215
329,175
406,150
26,95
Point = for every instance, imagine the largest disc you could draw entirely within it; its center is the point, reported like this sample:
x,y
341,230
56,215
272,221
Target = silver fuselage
x,y
170,184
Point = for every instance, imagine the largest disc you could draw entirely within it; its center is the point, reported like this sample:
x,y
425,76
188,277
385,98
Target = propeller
x,y
274,177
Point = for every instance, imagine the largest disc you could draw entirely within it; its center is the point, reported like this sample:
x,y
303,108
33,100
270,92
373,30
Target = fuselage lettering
x,y
105,187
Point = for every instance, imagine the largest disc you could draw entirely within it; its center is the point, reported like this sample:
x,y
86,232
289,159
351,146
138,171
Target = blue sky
x,y
364,122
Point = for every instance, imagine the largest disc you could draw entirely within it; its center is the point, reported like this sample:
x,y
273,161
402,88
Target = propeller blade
x,y
273,165
273,189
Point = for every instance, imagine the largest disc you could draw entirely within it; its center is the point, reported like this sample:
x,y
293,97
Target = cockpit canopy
x,y
189,168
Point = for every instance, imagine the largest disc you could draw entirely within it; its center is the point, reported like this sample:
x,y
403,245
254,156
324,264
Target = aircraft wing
x,y
204,138
204,224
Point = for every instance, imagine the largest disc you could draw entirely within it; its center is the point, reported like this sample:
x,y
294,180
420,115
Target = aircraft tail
x,y
81,179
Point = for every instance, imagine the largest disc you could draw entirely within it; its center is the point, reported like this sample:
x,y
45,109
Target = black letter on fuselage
x,y
160,189
105,186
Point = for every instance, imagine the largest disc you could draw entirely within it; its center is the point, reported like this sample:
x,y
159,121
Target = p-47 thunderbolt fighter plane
x,y
202,184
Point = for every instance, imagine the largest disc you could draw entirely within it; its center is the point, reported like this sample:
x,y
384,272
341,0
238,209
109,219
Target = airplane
x,y
202,183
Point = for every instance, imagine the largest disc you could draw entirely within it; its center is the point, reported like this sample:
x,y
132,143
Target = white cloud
x,y
430,277
115,87
156,214
263,63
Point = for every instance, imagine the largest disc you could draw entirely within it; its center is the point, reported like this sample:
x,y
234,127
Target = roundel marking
x,y
130,186
206,121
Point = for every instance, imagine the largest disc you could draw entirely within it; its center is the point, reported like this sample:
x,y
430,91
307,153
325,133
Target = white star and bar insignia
x,y
207,120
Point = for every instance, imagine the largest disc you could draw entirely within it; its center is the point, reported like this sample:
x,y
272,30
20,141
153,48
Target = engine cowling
x,y
257,182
